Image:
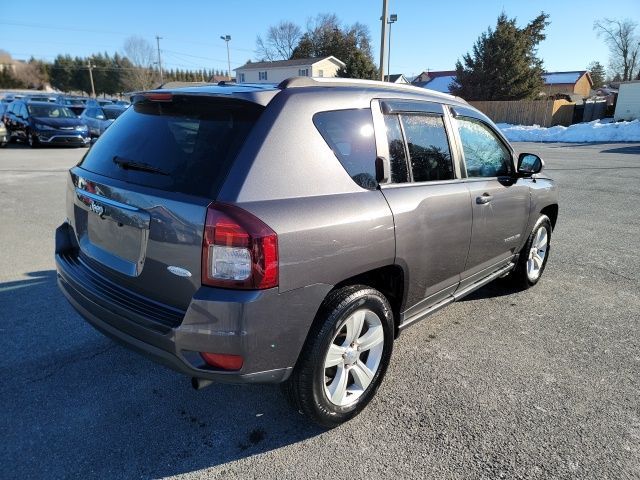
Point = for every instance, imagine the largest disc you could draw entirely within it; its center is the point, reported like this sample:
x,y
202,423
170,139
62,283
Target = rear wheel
x,y
534,255
345,357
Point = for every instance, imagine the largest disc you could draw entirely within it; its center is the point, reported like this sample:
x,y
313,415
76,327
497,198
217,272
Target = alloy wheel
x,y
353,357
537,253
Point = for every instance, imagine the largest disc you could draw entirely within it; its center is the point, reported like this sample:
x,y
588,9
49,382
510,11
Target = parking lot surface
x,y
505,384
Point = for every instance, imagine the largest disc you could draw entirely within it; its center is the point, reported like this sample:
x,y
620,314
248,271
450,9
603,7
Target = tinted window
x,y
50,111
429,153
484,154
349,133
397,154
112,113
190,142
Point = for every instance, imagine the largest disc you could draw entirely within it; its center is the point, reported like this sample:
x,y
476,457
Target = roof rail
x,y
295,82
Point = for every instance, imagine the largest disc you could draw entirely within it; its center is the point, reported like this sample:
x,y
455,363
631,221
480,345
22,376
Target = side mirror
x,y
529,164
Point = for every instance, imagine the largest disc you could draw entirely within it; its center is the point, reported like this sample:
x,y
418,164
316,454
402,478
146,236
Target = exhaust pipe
x,y
200,383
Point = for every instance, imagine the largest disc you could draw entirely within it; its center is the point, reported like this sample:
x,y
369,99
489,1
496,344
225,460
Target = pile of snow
x,y
596,131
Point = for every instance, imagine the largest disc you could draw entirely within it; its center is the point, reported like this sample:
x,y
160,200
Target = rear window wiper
x,y
142,167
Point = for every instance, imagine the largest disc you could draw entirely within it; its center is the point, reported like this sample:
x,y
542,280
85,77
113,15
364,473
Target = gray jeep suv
x,y
289,233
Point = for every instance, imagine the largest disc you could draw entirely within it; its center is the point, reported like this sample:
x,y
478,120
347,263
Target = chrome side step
x,y
407,322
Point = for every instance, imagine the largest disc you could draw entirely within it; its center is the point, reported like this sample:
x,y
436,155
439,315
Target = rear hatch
x,y
138,200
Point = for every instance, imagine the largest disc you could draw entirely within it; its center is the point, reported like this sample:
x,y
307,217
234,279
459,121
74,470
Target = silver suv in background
x,y
288,234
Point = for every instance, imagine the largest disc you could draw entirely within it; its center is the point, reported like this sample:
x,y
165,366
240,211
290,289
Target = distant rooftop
x,y
288,63
440,83
563,78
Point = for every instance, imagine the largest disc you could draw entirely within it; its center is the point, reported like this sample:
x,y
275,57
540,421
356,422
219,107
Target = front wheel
x,y
534,255
32,140
345,356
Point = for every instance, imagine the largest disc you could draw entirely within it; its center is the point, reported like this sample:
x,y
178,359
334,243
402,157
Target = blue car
x,y
42,123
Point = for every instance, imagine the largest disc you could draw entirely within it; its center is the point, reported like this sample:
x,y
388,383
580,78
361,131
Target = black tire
x,y
520,277
305,389
32,140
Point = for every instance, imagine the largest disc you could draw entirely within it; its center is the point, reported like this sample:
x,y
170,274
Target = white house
x,y
275,72
628,104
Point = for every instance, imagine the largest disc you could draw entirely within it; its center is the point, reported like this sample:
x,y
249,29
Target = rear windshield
x,y
112,113
185,145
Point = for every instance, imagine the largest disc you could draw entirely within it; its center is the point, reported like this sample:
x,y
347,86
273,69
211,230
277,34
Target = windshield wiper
x,y
142,167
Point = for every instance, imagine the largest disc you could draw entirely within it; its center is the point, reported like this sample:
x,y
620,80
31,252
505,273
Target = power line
x,y
109,32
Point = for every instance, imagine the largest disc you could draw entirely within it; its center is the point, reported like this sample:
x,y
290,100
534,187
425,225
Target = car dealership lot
x,y
533,384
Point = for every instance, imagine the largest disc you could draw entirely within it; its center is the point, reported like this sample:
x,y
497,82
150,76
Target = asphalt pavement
x,y
536,384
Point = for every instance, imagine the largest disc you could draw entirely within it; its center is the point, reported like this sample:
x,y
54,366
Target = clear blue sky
x,y
429,34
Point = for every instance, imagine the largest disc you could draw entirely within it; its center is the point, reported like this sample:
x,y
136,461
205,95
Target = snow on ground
x,y
596,131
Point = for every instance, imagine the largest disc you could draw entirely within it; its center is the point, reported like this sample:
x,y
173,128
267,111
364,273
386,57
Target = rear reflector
x,y
223,360
238,250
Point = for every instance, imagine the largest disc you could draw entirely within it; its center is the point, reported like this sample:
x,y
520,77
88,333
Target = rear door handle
x,y
484,199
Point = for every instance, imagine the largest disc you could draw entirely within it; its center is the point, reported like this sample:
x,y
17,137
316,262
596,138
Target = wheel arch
x,y
388,280
551,211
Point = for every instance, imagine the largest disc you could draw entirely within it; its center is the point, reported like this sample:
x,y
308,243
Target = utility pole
x,y
393,18
227,38
159,59
93,88
383,37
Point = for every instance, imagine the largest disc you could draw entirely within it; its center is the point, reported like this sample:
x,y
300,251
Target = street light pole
x,y
227,38
383,37
159,59
393,18
93,88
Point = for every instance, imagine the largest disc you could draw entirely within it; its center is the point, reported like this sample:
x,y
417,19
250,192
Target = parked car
x,y
75,104
99,118
39,123
289,234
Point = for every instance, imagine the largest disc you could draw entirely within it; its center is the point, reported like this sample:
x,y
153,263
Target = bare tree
x,y
142,55
279,43
624,45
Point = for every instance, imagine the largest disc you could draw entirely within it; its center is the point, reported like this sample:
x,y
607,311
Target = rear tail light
x,y
238,250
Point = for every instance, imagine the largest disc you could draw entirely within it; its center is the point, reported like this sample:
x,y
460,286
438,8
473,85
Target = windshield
x,y
112,113
52,111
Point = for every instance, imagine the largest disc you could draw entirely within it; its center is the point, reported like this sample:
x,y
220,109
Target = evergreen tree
x,y
598,74
350,44
503,65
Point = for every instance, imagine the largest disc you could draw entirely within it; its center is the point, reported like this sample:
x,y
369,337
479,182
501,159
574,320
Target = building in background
x,y
569,83
275,72
435,80
397,78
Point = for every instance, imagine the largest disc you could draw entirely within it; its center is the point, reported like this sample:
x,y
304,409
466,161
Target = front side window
x,y
484,154
350,135
429,152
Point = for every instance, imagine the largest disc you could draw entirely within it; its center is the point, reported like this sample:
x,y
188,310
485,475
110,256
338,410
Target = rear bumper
x,y
266,328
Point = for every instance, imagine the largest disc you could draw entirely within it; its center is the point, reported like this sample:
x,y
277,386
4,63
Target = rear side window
x,y
429,153
186,145
397,154
350,135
